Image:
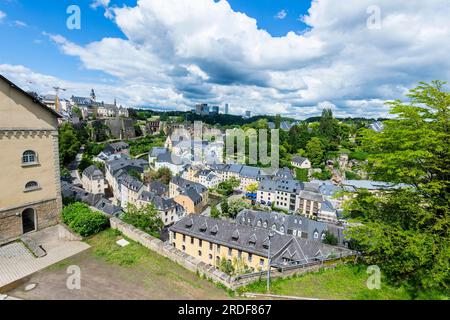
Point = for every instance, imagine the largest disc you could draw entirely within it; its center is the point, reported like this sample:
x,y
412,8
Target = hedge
x,y
82,220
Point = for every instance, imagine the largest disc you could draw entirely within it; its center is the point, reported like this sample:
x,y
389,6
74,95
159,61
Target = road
x,y
73,167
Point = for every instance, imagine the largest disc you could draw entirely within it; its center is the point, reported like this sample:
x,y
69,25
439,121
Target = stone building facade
x,y
30,192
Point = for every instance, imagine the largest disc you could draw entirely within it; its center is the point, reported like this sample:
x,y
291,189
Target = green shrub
x,y
349,175
82,220
357,155
302,174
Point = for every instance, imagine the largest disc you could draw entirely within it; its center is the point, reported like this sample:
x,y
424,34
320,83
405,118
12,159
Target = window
x,y
261,262
29,157
316,235
239,254
210,246
199,253
32,185
200,242
218,248
282,229
323,236
229,251
183,247
210,257
184,238
174,236
192,240
250,257
259,223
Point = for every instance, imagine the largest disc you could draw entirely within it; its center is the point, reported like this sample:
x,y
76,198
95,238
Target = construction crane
x,y
57,108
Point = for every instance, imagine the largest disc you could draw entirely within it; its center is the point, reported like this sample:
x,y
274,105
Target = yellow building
x,y
210,240
192,196
30,192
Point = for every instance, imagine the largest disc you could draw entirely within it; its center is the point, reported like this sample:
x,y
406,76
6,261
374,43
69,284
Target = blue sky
x,y
177,53
36,51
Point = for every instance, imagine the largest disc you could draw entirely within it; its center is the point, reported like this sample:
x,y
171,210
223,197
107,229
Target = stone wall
x,y
203,269
47,214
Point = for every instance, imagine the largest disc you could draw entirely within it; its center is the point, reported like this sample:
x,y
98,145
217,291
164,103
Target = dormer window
x,y
214,230
258,223
203,227
316,235
265,224
252,240
189,223
29,157
235,235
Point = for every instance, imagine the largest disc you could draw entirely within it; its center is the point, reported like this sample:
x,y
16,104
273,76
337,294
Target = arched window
x,y
32,185
29,156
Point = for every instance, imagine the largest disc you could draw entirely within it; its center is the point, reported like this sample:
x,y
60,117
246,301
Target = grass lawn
x,y
346,282
109,271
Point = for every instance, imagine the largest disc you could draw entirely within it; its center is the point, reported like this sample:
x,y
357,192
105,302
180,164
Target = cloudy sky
x,y
293,57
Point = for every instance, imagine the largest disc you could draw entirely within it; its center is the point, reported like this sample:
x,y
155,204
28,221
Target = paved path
x,y
17,262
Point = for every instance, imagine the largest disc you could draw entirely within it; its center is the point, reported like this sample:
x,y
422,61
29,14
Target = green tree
x,y
215,213
145,218
330,239
69,144
406,230
252,188
315,151
224,207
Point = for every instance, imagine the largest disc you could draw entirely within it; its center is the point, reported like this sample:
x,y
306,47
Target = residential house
x,y
211,240
300,162
30,197
192,196
93,180
170,161
169,211
130,189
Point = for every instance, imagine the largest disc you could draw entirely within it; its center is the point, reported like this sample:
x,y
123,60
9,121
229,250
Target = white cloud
x,y
203,51
100,3
2,15
281,15
19,23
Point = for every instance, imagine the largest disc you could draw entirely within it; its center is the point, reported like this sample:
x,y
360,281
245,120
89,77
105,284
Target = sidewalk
x,y
17,262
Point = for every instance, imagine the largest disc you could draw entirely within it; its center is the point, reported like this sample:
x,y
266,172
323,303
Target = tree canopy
x,y
406,230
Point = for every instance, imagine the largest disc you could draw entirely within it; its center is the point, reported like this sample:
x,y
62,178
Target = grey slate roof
x,y
107,207
155,151
306,226
284,185
299,160
93,173
313,196
169,158
254,240
130,182
158,187
126,164
160,203
115,147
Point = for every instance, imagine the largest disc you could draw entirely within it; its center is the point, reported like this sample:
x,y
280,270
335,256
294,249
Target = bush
x,y
302,174
82,220
357,155
349,175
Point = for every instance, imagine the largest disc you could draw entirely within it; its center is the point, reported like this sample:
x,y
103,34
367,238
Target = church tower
x,y
92,95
